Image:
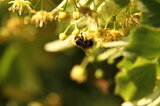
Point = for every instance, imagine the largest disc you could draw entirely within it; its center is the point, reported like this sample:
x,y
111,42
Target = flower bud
x,y
62,15
78,74
76,15
137,15
116,34
98,73
27,20
76,31
4,34
62,36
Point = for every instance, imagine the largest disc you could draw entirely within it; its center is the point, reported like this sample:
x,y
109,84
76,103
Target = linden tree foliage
x,y
140,66
138,44
122,3
136,79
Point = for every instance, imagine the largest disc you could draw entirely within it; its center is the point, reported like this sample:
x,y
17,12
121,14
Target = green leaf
x,y
152,5
152,17
122,3
145,42
137,81
158,1
7,60
125,63
158,71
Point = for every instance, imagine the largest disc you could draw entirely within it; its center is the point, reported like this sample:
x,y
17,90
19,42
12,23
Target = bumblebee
x,y
83,43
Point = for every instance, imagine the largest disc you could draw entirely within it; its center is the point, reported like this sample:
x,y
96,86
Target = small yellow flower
x,y
20,6
41,17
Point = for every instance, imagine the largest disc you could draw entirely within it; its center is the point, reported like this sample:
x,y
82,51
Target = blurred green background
x,y
31,76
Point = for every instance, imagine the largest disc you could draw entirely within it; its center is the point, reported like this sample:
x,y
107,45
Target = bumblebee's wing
x,y
58,45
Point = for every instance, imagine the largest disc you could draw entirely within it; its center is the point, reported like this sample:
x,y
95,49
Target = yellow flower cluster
x,y
41,17
95,27
15,27
20,6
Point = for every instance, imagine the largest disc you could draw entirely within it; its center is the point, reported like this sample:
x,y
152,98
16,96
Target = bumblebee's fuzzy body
x,y
83,43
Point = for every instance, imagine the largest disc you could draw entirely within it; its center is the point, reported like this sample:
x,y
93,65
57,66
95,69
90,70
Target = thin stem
x,y
51,3
59,6
84,63
41,4
67,28
75,3
108,20
65,6
114,26
76,26
36,4
85,29
64,2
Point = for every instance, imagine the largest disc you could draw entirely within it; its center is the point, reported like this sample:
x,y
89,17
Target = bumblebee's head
x,y
79,40
83,43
